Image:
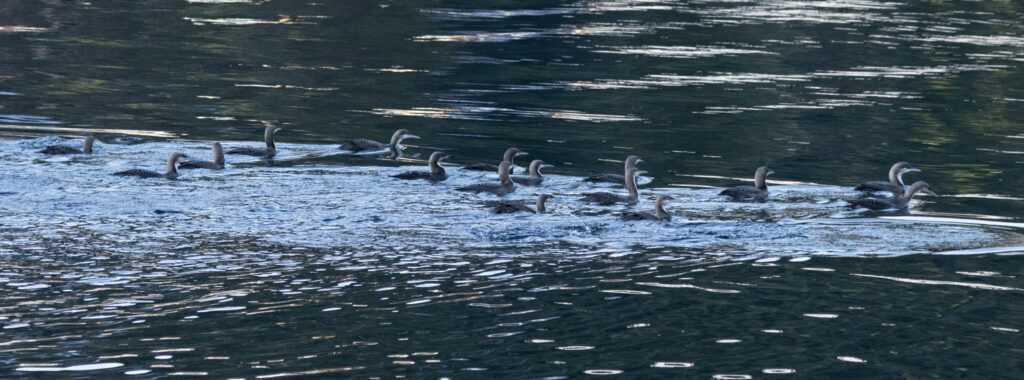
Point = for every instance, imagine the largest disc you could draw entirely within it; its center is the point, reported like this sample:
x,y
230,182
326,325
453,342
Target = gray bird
x,y
268,152
658,214
897,203
64,149
631,162
500,189
895,183
172,173
535,177
216,164
757,193
436,173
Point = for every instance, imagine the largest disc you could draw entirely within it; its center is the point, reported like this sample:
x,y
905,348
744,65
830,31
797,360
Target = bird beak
x,y
669,197
910,170
542,166
277,129
770,172
929,192
522,154
445,157
639,160
408,136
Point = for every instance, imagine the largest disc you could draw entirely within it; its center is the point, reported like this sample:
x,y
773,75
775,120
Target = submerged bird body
x,y
606,199
535,178
172,173
366,145
500,189
631,162
436,173
510,156
216,164
757,193
505,207
64,149
897,202
268,138
894,185
659,212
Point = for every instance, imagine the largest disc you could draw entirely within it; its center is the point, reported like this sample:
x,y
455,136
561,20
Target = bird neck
x,y
759,181
659,208
268,137
172,172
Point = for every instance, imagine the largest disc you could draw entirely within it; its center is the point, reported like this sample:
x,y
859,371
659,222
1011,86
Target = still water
x,y
317,264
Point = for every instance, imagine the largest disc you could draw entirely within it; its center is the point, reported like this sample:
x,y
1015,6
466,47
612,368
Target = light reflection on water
x,y
318,264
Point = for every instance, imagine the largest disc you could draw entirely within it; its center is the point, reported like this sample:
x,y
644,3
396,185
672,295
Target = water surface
x,y
317,264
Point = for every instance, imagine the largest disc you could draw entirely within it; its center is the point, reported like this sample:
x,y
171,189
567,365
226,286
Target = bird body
x,y
894,185
659,213
268,138
631,162
500,189
756,193
897,203
510,156
366,145
172,173
436,173
64,149
508,207
535,178
607,199
216,164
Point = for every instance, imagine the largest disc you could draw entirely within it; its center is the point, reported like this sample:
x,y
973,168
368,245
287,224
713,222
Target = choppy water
x,y
317,264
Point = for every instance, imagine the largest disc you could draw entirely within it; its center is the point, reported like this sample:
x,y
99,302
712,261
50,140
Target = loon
x,y
268,152
631,162
895,183
435,174
535,177
898,202
510,156
758,192
172,173
606,199
217,164
506,207
506,186
395,146
64,149
658,213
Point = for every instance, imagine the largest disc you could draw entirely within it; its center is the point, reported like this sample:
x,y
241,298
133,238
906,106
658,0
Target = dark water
x,y
318,265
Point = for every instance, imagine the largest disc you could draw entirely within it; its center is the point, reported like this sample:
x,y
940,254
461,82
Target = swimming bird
x,y
64,149
895,184
216,164
631,162
435,174
395,146
535,177
506,186
268,152
506,207
658,213
510,156
898,202
758,192
605,198
172,173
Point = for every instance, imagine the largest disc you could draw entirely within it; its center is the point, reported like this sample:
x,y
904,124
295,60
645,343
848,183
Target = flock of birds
x,y
901,195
